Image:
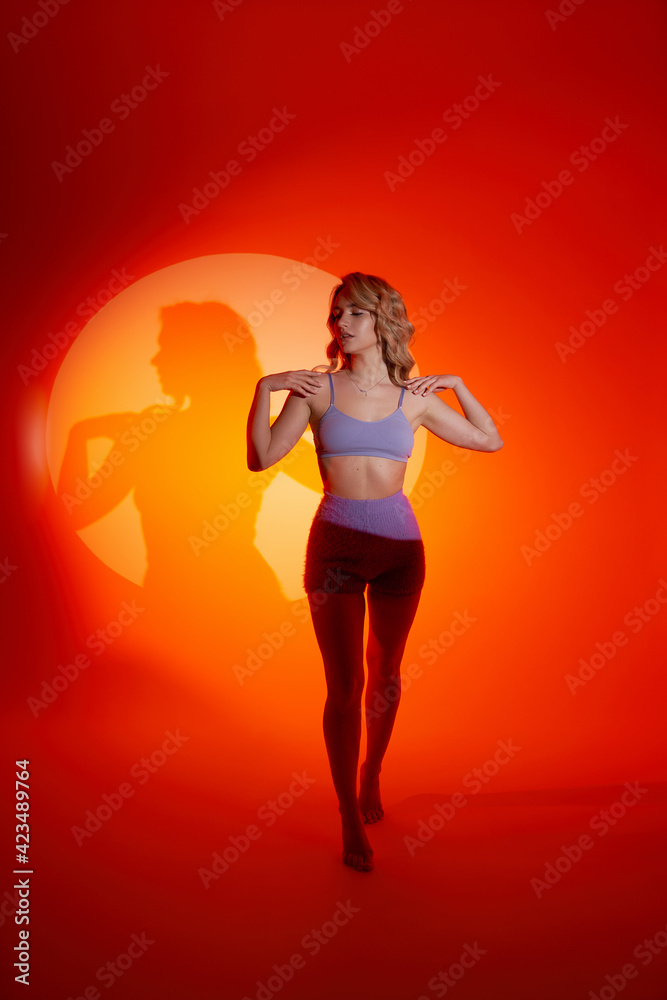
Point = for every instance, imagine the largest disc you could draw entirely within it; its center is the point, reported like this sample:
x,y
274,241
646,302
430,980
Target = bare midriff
x,y
362,477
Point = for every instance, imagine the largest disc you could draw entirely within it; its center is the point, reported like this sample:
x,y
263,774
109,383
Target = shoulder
x,y
320,402
415,406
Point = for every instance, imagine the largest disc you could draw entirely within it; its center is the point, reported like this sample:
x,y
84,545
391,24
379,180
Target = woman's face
x,y
354,326
168,364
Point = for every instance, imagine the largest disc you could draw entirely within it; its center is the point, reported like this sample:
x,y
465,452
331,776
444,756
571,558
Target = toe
x,y
373,815
358,862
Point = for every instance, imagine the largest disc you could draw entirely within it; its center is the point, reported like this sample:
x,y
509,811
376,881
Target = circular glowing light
x,y
147,350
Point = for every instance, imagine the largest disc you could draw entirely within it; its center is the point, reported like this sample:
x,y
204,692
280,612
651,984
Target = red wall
x,y
542,204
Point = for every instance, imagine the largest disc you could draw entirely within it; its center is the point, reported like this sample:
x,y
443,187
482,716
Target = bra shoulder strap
x,y
400,401
331,389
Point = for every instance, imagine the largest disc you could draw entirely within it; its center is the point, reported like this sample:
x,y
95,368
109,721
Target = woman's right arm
x,y
268,443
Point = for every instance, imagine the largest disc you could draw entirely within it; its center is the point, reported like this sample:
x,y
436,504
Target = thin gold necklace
x,y
364,391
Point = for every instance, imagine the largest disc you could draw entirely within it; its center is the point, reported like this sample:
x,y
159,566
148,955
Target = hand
x,y
422,385
301,383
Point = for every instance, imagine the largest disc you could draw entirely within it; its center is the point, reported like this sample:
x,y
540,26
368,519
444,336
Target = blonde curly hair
x,y
393,329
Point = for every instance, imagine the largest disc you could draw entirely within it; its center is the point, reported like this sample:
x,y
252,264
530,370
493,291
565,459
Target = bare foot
x,y
369,797
357,851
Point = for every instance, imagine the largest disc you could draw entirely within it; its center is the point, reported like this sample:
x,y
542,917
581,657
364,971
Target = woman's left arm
x,y
476,430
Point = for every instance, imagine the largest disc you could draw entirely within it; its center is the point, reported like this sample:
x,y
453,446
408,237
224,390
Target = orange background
x,y
563,423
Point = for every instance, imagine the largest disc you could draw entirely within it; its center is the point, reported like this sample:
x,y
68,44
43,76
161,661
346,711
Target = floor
x,y
176,853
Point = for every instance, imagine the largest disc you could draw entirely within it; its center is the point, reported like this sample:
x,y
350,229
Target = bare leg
x,y
390,621
338,620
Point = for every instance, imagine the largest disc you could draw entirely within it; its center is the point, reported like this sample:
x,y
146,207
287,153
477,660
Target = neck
x,y
368,366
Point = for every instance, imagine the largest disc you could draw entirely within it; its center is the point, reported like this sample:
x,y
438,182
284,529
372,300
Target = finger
x,y
305,387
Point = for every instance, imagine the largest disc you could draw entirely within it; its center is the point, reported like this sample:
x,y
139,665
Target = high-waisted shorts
x,y
357,542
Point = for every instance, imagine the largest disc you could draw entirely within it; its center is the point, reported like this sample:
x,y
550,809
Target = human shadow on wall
x,y
208,588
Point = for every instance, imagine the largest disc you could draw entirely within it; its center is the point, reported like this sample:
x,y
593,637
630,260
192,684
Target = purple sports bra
x,y
340,434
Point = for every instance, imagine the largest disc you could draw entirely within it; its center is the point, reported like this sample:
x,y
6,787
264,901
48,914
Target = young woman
x,y
363,412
